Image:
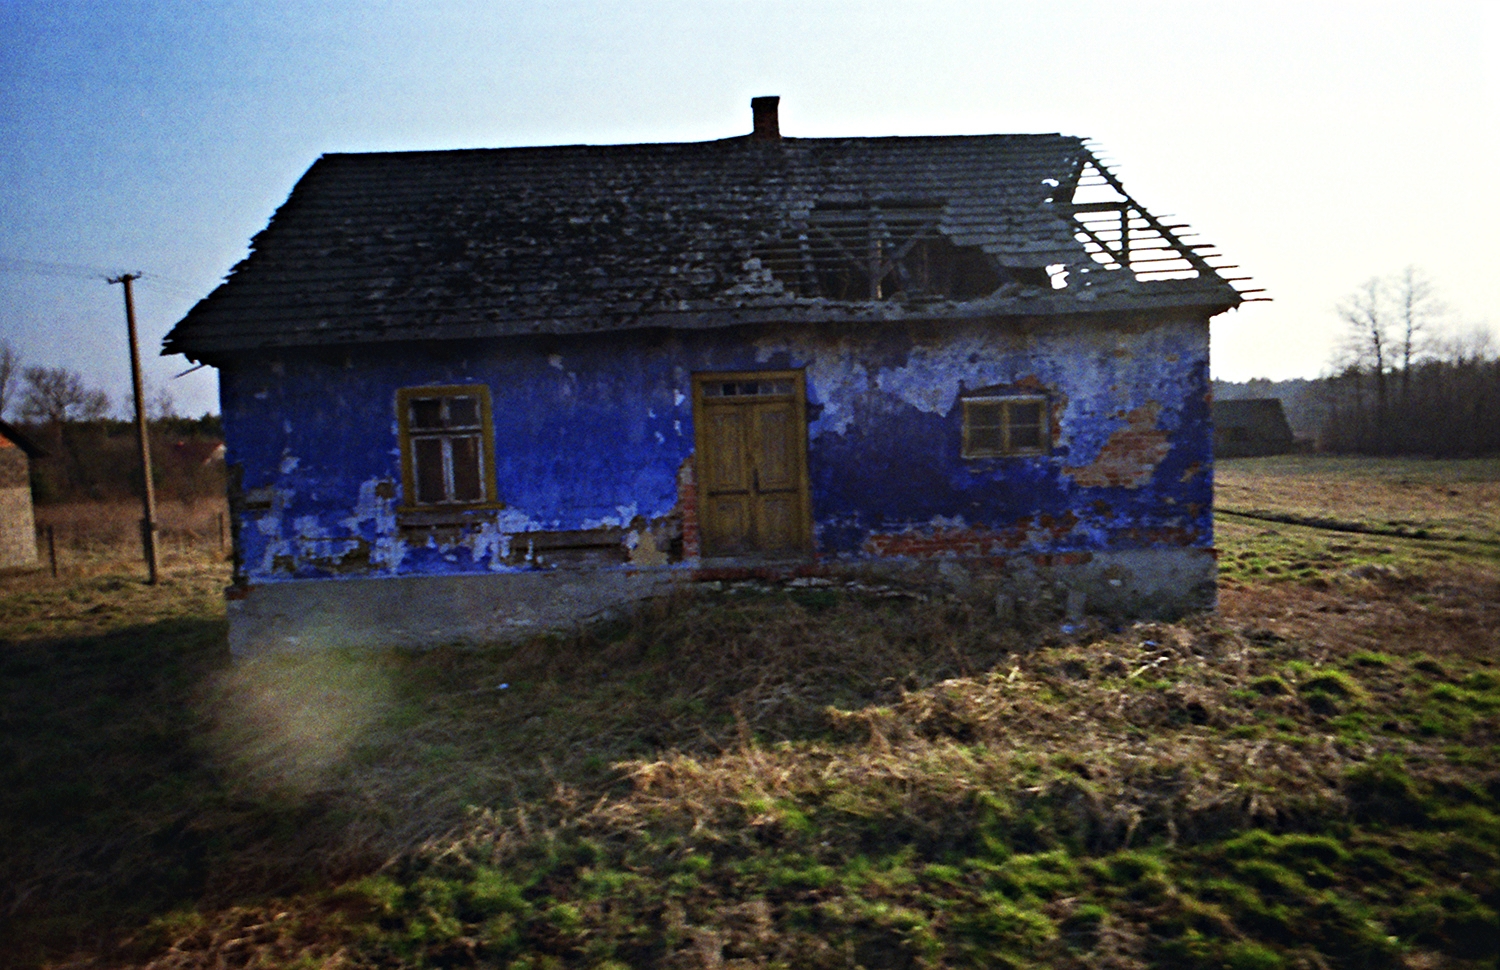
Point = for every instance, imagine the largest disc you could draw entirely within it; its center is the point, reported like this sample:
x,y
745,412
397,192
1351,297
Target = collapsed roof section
x,y
499,242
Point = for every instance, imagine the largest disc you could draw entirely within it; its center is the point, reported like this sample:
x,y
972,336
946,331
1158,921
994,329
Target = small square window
x,y
427,412
446,436
1005,426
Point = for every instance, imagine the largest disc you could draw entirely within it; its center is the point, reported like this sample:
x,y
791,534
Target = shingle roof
x,y
475,243
1264,417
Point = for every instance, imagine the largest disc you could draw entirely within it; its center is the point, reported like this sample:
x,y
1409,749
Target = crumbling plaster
x,y
595,433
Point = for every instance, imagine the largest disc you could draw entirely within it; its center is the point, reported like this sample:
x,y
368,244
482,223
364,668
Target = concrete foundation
x,y
1144,584
418,612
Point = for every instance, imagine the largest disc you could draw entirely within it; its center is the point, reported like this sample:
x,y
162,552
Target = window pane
x,y
984,440
463,412
427,457
467,484
427,412
1026,425
1026,412
1025,436
982,415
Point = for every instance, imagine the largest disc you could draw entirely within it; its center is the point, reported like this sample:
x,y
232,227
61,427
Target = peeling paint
x,y
376,505
1037,533
607,445
1130,456
489,543
625,513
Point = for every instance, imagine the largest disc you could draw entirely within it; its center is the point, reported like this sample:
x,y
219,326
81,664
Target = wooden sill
x,y
428,516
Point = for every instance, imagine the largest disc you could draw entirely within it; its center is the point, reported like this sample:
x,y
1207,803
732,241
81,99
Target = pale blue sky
x,y
1316,144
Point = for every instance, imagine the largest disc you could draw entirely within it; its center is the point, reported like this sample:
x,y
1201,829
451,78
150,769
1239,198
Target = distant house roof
x,y
492,242
1251,426
17,437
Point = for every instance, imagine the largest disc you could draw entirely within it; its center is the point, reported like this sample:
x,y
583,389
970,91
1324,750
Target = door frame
x,y
798,379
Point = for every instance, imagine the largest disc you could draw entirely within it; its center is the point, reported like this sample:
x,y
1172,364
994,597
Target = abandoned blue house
x,y
467,393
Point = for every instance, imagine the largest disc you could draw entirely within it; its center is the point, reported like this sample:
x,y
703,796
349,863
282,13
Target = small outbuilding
x,y
469,393
17,522
1251,427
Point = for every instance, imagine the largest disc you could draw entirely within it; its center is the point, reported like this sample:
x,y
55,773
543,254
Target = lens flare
x,y
287,722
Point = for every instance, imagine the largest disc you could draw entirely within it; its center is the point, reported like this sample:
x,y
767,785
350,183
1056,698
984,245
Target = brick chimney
x,y
767,127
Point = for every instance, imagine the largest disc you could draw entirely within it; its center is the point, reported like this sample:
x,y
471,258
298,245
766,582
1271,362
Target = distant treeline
x,y
1438,407
99,460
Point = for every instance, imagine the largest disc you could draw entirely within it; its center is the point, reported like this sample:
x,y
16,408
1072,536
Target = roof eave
x,y
473,325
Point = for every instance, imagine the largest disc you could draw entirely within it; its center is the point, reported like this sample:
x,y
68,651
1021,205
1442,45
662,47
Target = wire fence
x,y
76,538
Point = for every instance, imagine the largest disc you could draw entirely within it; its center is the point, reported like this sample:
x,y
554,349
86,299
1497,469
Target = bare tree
x,y
1448,394
56,395
1417,309
160,404
1475,344
10,372
1369,341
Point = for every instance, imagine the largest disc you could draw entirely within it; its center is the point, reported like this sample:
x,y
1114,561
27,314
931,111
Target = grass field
x,y
1451,501
791,777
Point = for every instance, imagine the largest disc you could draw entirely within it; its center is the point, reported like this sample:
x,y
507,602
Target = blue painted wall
x,y
592,431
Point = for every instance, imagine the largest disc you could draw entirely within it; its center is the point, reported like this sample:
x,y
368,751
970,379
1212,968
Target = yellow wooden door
x,y
752,461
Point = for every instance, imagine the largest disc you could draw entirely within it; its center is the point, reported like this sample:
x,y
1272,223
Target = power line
x,y
81,271
159,282
37,267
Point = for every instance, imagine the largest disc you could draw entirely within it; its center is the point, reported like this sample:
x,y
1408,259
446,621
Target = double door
x,y
751,431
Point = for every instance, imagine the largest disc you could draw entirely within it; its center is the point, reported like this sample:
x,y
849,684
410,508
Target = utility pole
x,y
143,438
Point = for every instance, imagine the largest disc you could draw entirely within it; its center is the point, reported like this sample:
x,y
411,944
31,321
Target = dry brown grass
x,y
1152,712
1447,498
767,730
401,748
93,538
1100,741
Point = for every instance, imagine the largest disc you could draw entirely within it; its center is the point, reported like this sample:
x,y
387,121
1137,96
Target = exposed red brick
x,y
687,500
971,543
1168,535
1130,455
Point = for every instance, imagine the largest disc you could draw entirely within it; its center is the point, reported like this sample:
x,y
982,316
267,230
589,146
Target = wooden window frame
x,y
408,435
1006,402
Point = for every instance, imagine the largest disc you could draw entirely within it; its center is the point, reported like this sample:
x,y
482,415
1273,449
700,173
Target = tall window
x,y
445,442
995,426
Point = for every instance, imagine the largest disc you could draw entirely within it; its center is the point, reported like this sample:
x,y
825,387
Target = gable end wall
x,y
17,525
